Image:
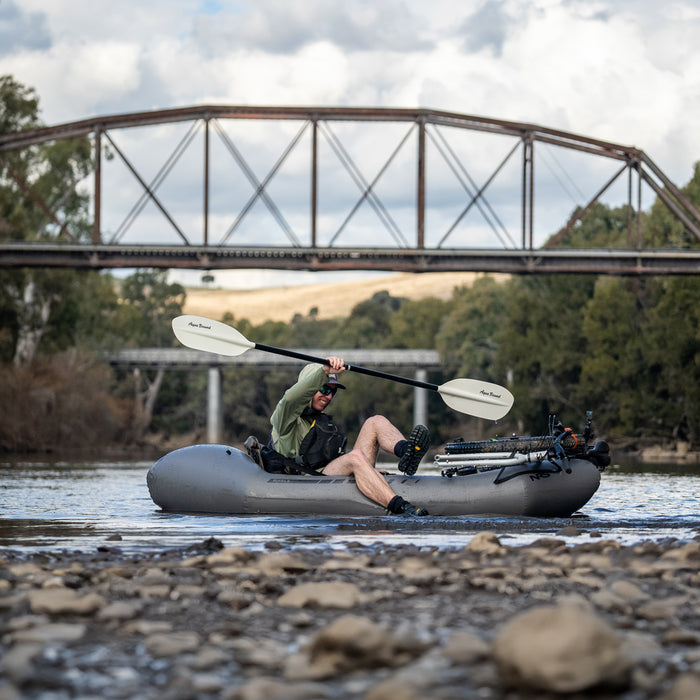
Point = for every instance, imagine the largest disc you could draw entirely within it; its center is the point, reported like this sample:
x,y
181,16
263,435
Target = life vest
x,y
321,445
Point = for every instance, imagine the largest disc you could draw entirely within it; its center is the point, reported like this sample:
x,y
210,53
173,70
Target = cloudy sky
x,y
626,71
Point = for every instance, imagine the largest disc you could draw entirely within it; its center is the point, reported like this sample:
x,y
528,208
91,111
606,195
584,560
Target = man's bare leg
x,y
377,432
369,481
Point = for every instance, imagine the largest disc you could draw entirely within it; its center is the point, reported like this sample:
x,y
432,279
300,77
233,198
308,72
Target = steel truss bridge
x,y
469,233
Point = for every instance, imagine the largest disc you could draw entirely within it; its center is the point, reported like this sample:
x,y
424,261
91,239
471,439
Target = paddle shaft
x,y
351,368
475,398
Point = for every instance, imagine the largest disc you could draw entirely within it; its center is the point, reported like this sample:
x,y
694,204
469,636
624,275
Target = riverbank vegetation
x,y
626,348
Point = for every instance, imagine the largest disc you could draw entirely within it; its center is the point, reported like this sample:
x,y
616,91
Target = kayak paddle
x,y
471,396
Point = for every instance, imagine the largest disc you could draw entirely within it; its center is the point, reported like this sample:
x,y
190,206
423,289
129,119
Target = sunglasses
x,y
327,391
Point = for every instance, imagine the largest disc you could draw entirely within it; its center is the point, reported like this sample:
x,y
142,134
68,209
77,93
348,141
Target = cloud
x,y
280,27
487,27
22,30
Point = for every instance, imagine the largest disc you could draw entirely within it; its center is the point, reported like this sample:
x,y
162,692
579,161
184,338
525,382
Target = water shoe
x,y
418,443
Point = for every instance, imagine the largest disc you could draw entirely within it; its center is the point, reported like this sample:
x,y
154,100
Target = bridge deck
x,y
184,358
513,261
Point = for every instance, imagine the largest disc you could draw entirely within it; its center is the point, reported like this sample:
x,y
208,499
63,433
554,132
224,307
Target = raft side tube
x,y
223,479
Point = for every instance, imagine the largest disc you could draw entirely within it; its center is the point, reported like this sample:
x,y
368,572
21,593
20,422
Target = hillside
x,y
331,299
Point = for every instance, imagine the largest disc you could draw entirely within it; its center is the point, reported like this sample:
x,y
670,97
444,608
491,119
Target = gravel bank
x,y
594,619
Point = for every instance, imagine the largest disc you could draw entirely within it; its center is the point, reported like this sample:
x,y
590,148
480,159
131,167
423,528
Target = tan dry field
x,y
330,299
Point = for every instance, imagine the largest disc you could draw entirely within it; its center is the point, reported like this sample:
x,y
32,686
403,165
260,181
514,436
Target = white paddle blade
x,y
202,333
477,398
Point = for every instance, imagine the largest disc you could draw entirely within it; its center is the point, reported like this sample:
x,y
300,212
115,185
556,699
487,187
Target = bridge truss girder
x,y
522,256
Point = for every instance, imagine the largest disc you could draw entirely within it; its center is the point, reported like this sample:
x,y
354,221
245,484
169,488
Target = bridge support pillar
x,y
215,413
420,399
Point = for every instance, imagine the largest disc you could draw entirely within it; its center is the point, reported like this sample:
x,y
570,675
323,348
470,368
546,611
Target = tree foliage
x,y
40,199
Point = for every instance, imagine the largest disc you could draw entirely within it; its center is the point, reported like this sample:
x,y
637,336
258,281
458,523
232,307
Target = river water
x,y
85,506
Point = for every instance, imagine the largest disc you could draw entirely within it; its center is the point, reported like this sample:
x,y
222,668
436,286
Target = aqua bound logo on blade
x,y
199,325
483,392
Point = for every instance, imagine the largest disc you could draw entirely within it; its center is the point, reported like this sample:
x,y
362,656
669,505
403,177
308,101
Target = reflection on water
x,y
83,506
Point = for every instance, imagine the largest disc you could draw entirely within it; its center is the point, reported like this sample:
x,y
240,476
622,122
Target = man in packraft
x,y
309,441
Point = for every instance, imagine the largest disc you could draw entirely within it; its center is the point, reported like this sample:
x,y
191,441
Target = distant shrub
x,y
59,402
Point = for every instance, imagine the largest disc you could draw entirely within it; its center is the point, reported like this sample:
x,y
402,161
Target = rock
x,y
418,570
52,632
235,598
392,689
17,662
146,627
64,600
547,543
206,684
607,600
642,648
271,689
689,552
53,582
679,635
665,609
158,590
569,531
9,692
172,643
339,562
485,543
300,620
119,610
628,591
562,649
353,642
154,576
230,555
281,563
466,648
264,653
331,594
582,577
209,657
686,687
187,590
23,622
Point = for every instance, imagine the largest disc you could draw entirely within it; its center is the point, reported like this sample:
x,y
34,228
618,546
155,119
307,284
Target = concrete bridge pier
x,y
215,409
420,398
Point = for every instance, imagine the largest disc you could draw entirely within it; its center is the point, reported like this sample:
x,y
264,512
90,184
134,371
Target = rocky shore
x,y
580,617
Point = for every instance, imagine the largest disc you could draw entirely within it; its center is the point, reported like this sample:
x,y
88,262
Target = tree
x,y
614,381
416,323
149,303
671,360
368,324
663,229
40,199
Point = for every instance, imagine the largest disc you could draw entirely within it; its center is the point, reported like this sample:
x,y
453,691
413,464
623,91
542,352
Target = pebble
x,y
327,594
568,614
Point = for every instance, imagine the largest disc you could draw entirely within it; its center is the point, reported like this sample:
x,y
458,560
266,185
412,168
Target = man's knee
x,y
348,464
357,460
376,423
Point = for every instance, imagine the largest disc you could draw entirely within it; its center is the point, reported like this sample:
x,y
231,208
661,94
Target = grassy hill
x,y
330,299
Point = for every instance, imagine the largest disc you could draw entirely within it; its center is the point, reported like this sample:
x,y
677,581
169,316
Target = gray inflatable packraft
x,y
223,479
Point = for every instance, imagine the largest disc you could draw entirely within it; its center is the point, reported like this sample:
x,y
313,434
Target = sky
x,y
626,71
